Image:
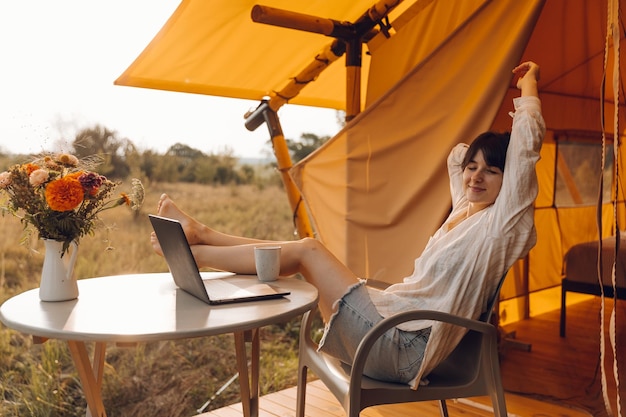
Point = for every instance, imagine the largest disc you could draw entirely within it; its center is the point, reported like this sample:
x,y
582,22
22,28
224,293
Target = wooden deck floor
x,y
558,377
321,403
567,369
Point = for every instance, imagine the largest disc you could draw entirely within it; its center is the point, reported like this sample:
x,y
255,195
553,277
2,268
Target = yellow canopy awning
x,y
215,48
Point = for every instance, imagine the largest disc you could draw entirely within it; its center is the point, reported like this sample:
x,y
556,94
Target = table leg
x,y
248,382
90,375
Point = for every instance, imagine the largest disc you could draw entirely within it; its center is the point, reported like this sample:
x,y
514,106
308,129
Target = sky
x,y
59,59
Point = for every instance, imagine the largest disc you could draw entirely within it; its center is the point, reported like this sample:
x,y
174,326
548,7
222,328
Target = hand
x,y
527,71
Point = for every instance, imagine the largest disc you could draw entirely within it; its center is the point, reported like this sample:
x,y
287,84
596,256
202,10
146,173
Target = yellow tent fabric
x,y
214,47
392,156
569,43
378,189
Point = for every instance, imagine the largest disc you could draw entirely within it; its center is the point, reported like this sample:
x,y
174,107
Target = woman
x,y
490,227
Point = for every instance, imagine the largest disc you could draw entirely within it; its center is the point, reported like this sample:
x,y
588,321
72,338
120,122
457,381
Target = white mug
x,y
267,260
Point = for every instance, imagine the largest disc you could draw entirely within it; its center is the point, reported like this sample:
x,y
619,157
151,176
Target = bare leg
x,y
308,257
196,232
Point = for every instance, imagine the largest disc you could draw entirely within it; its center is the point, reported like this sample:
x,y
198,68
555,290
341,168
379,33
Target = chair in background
x,y
581,272
472,369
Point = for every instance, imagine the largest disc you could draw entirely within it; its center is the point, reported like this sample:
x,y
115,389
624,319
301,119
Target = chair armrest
x,y
381,327
305,328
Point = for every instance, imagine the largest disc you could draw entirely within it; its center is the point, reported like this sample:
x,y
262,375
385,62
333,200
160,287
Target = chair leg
x,y
498,402
443,408
301,391
563,303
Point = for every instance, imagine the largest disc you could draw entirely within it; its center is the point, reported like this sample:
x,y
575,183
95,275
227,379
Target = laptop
x,y
227,289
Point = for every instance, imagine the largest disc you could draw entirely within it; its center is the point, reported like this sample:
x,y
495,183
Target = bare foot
x,y
156,246
193,229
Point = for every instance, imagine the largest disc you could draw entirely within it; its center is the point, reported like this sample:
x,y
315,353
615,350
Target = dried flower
x,y
61,197
91,182
38,177
68,160
137,194
5,179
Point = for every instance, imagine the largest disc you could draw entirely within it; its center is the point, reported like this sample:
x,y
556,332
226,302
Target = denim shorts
x,y
396,356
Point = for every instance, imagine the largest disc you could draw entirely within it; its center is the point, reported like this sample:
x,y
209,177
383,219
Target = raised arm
x,y
528,73
519,187
455,172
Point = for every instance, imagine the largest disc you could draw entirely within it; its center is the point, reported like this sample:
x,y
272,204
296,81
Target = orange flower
x,y
29,168
64,194
125,198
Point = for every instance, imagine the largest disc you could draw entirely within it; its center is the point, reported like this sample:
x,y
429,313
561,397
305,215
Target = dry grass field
x,y
163,378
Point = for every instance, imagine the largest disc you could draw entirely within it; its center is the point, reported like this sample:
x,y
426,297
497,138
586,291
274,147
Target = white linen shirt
x,y
459,269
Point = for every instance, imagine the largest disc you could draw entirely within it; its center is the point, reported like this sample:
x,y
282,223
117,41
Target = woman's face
x,y
482,182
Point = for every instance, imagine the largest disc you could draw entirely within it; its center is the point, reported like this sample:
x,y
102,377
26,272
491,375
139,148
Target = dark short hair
x,y
493,145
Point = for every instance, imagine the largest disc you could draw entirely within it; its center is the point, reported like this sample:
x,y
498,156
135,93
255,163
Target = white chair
x,y
472,369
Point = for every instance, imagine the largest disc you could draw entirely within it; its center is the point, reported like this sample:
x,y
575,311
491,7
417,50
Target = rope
x,y
612,36
614,26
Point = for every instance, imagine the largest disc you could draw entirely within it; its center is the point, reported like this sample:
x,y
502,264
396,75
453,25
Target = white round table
x,y
135,308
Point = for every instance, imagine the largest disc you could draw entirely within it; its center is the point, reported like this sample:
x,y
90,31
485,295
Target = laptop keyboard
x,y
218,285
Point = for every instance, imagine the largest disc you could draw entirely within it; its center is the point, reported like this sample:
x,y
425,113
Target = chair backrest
x,y
461,363
486,315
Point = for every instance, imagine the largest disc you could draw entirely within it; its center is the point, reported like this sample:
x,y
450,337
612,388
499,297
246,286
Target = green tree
x,y
308,143
166,169
247,173
226,172
184,163
148,164
204,170
98,141
185,152
185,159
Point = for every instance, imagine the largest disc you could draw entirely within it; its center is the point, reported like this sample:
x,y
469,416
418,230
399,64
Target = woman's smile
x,y
482,182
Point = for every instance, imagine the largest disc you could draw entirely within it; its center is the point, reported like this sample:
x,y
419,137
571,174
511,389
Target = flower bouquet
x,y
61,196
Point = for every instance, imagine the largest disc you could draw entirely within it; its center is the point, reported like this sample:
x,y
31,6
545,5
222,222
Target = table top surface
x,y
149,307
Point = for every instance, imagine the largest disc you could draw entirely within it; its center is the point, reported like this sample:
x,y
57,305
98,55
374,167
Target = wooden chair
x,y
472,369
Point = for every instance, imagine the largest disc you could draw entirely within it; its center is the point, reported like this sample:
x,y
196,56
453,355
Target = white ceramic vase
x,y
57,275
